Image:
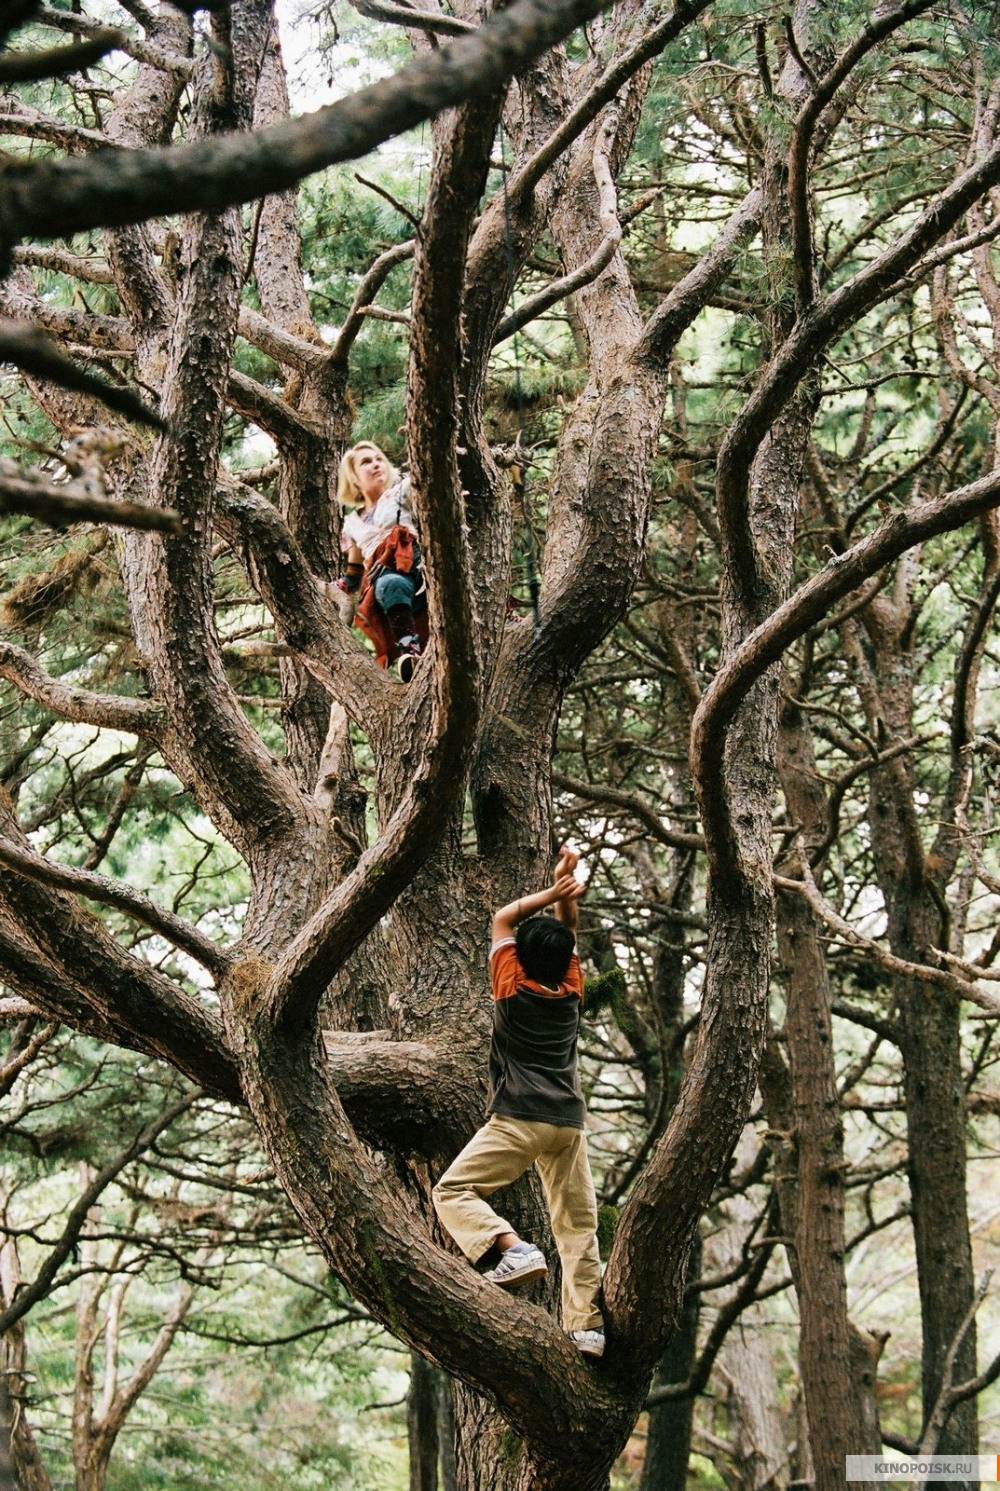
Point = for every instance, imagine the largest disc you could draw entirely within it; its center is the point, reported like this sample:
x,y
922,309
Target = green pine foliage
x,y
274,1376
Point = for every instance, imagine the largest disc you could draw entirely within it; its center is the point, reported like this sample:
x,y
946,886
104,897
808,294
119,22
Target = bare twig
x,y
387,196
13,1068
948,1397
12,1008
986,999
368,288
404,14
28,1297
627,801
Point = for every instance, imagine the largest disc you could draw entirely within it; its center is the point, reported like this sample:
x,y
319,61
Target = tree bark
x,y
25,1469
668,1439
812,1206
914,884
483,711
423,1424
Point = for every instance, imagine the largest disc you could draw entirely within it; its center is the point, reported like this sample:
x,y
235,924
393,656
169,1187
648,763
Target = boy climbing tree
x,y
536,1109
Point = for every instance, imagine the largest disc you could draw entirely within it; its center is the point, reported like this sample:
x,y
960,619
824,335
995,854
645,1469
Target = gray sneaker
x,y
518,1265
588,1343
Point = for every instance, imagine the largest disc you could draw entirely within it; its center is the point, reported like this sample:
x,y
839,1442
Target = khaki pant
x,y
497,1156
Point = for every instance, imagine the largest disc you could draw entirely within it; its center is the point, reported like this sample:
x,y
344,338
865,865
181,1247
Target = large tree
x,y
349,1015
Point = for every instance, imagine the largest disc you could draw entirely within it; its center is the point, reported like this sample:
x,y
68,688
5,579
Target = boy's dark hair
x,y
544,947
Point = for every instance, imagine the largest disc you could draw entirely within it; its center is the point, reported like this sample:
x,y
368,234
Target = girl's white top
x,y
368,529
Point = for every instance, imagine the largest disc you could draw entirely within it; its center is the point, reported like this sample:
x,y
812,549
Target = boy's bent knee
x,y
441,1194
448,1192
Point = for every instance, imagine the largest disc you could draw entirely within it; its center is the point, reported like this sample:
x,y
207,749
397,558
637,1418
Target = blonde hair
x,y
348,491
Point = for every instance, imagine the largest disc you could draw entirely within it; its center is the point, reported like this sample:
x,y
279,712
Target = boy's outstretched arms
x,y
564,892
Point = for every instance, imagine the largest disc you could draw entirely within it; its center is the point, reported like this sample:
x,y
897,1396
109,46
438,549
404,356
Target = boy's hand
x,y
568,861
564,892
567,887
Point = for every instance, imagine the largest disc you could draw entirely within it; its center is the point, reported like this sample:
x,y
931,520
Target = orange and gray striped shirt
x,y
533,1065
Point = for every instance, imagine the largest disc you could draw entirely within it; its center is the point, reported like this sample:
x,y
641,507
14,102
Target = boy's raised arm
x,y
564,892
567,910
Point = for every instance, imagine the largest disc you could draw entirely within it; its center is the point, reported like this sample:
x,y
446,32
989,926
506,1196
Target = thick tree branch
x,y
262,407
294,351
122,897
396,1091
608,86
433,21
690,296
802,610
19,1009
809,337
882,25
436,1303
944,254
31,351
134,716
171,585
32,124
307,622
56,62
535,305
95,271
76,973
21,492
438,781
85,328
52,199
132,46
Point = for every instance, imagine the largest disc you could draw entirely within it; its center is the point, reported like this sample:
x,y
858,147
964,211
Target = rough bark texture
x,y
25,1468
812,1198
668,1439
423,1424
354,1006
913,881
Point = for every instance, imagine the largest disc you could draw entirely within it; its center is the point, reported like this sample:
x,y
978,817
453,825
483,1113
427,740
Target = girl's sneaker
x,y
409,656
